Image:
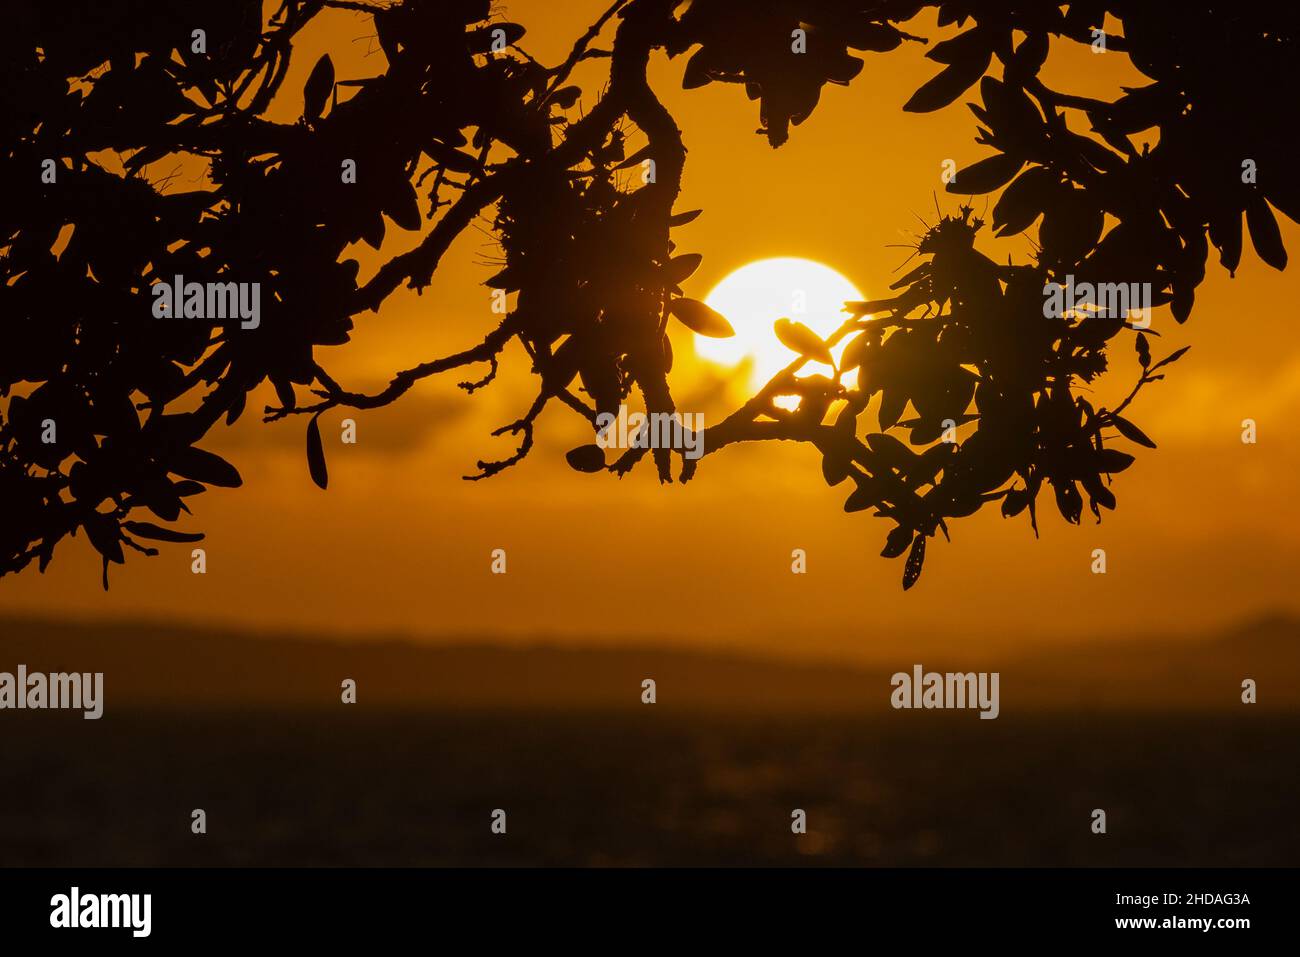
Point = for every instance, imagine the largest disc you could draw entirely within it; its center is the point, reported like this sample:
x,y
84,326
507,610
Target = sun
x,y
756,295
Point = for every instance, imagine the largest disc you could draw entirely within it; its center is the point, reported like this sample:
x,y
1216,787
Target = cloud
x,y
404,427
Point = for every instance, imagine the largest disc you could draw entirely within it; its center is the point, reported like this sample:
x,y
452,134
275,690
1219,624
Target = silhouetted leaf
x,y
1264,233
317,89
1024,200
891,451
586,458
876,37
680,268
986,175
1113,460
1098,495
316,453
951,83
103,534
897,542
915,560
1183,299
961,48
863,497
158,533
1171,358
1068,501
1030,55
868,307
835,467
1131,431
566,97
1071,226
797,337
1225,233
696,74
206,467
855,353
1015,502
701,319
401,205
893,402
1141,108
494,38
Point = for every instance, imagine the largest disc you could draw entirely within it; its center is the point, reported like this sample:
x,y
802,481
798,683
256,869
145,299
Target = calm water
x,y
356,788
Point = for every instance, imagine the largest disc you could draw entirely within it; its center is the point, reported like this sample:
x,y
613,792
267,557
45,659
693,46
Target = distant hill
x,y
158,665
1170,673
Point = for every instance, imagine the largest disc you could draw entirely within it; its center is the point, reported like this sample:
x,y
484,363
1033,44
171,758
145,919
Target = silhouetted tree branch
x,y
958,391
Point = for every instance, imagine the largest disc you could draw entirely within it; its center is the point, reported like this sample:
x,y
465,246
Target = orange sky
x,y
1205,533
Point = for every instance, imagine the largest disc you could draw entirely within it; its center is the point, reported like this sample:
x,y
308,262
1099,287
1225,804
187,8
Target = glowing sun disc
x,y
756,295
